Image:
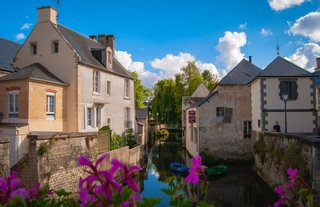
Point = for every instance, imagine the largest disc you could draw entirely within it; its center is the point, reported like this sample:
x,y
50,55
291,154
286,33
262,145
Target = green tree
x,y
142,95
191,77
209,80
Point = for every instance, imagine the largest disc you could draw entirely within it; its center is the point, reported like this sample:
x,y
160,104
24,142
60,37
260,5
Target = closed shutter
x,y
228,115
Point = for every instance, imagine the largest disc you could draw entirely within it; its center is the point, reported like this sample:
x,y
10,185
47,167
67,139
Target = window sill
x,y
127,98
96,94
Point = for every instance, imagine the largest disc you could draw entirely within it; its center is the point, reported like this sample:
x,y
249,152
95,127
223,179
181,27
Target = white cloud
x,y
20,36
171,64
229,47
243,26
279,5
148,78
305,56
26,26
308,26
265,32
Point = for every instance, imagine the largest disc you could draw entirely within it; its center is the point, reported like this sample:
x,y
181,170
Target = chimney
x,y
107,41
47,14
318,64
250,59
93,37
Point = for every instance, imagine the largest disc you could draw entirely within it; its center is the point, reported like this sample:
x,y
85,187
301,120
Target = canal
x,y
241,186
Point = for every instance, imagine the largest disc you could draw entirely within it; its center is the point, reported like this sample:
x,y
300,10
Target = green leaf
x,y
149,202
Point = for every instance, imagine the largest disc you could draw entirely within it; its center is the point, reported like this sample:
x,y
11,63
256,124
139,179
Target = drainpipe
x,y
198,129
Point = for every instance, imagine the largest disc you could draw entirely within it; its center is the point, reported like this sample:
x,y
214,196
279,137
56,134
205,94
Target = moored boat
x,y
179,167
217,170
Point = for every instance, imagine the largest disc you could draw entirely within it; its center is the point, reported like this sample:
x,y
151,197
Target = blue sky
x,y
157,38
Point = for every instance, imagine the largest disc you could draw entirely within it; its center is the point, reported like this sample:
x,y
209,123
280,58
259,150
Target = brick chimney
x,y
107,41
47,14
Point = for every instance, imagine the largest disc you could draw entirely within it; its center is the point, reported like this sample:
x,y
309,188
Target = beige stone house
x,y
66,83
142,130
220,124
280,78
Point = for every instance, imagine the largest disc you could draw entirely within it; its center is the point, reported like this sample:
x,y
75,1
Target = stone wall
x,y
52,159
4,157
274,153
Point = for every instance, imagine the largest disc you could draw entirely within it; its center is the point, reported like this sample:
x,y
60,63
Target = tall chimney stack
x,y
47,14
318,64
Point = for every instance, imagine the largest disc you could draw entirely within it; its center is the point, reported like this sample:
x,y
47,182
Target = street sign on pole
x,y
192,116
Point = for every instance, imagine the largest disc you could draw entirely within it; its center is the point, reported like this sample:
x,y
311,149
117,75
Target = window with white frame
x,y
96,81
126,88
127,117
13,104
108,87
90,117
50,106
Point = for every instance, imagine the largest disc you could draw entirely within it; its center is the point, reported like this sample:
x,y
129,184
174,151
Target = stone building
x,y
282,80
220,124
66,83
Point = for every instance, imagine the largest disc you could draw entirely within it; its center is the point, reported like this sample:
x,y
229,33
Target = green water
x,y
241,186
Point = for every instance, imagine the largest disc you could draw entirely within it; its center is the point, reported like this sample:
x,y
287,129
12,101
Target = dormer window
x,y
55,46
33,48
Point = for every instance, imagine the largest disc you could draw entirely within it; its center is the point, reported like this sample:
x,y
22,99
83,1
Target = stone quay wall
x,y
53,159
4,157
274,153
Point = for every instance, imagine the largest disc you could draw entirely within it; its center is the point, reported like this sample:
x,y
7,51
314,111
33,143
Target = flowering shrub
x,y
114,187
294,193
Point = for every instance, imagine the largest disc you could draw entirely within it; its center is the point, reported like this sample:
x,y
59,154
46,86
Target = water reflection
x,y
240,187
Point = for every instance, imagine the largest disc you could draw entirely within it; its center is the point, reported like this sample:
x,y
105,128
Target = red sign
x,y
192,116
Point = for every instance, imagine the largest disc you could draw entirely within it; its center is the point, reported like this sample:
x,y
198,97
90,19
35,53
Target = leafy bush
x,y
131,138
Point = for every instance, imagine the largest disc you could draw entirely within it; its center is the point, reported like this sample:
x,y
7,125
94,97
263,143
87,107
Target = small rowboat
x,y
179,167
217,170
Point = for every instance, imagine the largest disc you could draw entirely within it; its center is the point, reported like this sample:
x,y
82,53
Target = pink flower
x,y
127,173
279,191
279,203
10,188
85,197
195,170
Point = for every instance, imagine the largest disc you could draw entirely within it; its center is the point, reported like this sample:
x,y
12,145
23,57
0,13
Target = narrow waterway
x,y
241,186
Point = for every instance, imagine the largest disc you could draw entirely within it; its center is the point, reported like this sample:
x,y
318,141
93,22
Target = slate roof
x,y
84,45
281,67
34,72
142,113
241,74
206,99
8,50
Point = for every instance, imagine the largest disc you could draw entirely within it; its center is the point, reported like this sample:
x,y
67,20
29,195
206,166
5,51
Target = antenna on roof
x,y
58,6
278,48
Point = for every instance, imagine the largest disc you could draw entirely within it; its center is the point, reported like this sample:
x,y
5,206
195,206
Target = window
x,y
127,117
96,81
109,122
90,117
109,88
224,115
247,129
98,116
13,99
33,48
50,106
126,88
55,46
289,87
220,114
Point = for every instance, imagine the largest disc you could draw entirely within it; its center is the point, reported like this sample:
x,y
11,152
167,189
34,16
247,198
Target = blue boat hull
x,y
178,167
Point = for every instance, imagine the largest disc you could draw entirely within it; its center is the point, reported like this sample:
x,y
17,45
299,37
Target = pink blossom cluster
x,y
107,187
